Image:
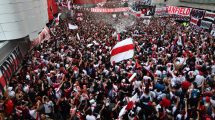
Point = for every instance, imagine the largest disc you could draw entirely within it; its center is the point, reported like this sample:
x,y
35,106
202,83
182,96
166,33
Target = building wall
x,y
191,3
21,18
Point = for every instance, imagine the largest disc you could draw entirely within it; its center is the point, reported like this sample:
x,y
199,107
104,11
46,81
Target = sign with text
x,y
179,10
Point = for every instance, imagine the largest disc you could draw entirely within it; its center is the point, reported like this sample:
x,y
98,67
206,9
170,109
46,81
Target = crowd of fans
x,y
70,76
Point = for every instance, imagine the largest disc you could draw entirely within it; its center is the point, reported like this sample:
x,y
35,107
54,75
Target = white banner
x,y
73,27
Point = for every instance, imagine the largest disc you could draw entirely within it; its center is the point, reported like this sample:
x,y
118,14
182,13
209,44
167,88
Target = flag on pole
x,y
123,50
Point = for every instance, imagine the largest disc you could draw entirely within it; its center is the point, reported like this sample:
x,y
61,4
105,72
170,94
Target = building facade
x,y
21,18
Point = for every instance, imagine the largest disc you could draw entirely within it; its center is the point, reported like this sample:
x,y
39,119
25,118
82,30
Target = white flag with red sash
x,y
123,50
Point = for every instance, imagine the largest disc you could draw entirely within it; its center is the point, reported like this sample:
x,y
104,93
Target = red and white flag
x,y
122,50
194,21
2,83
129,106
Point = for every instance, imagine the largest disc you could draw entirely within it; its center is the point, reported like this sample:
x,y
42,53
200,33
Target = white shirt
x,y
90,117
137,84
158,72
48,107
199,79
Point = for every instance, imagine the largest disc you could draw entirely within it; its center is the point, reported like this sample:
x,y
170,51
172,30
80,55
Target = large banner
x,y
209,15
109,10
205,24
179,10
196,13
160,11
11,64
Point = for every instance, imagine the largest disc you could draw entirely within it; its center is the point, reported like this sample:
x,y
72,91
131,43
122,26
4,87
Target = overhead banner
x,y
11,64
209,15
179,10
160,11
109,10
205,24
196,13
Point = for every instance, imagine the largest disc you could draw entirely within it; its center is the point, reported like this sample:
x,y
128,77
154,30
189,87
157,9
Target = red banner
x,y
110,10
179,10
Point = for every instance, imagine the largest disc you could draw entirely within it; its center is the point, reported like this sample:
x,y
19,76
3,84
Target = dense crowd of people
x,y
70,76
